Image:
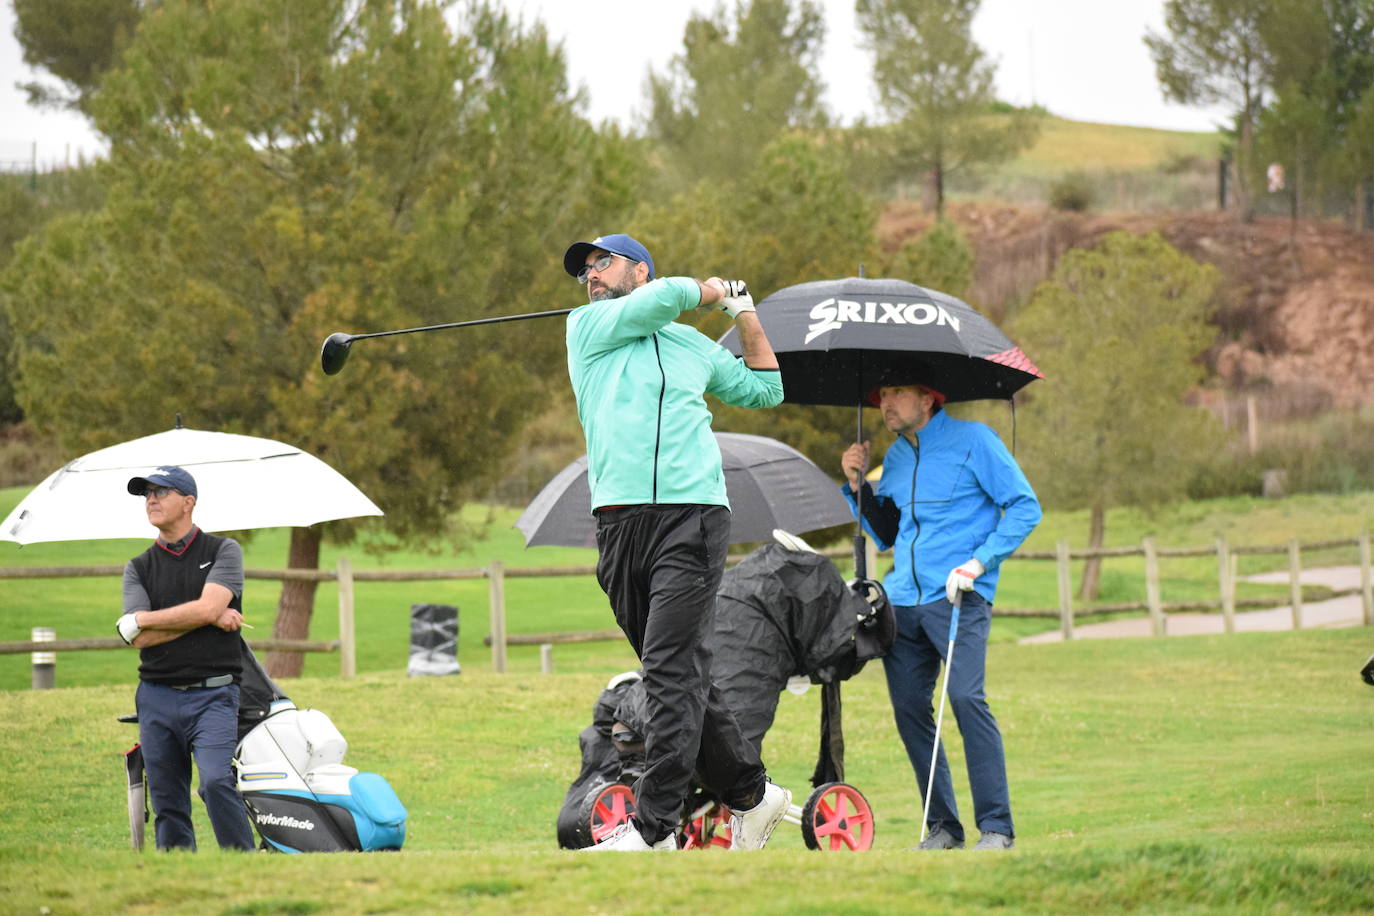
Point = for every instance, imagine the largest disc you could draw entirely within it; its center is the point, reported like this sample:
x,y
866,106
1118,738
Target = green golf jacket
x,y
639,378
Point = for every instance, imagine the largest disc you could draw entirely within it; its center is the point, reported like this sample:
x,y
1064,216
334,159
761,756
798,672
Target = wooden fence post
x,y
1152,598
1061,550
1366,593
1227,581
496,589
1252,423
546,658
1295,582
348,649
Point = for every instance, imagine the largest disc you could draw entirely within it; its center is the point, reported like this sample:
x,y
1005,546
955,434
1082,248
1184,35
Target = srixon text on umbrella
x,y
829,314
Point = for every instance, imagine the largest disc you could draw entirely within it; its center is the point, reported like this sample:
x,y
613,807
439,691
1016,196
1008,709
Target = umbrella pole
x,y
860,555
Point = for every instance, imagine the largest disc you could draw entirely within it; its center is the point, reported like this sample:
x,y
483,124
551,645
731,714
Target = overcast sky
x,y
1081,59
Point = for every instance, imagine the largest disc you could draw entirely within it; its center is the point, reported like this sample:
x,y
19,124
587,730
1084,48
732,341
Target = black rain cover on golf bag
x,y
257,692
782,613
602,761
605,759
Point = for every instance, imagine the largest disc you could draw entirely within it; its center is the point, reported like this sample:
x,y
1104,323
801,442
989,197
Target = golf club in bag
x,y
299,794
334,352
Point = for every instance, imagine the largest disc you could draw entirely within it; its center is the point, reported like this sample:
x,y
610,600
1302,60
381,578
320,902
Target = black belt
x,y
219,680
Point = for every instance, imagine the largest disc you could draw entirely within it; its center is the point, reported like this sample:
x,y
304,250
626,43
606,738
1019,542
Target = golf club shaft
x,y
463,324
940,719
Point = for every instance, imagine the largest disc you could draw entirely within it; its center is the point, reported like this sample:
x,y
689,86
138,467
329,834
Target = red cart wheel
x,y
711,829
608,808
837,816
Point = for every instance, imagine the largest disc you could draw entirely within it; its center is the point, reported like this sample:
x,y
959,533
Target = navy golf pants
x,y
173,726
660,566
912,667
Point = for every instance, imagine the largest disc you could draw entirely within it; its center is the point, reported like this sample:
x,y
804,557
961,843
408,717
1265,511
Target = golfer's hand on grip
x,y
854,463
961,578
734,296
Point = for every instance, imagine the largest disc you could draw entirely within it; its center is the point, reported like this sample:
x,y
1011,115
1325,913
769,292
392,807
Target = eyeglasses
x,y
599,265
158,492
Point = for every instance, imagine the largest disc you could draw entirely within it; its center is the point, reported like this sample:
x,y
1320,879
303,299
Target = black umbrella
x,y
769,485
837,340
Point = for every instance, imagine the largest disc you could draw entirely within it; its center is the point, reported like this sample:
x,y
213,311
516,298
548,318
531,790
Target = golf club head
x,y
334,353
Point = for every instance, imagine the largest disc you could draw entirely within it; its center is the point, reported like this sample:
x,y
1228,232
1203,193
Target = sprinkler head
x,y
334,353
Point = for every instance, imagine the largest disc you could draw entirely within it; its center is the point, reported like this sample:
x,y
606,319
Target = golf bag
x,y
299,794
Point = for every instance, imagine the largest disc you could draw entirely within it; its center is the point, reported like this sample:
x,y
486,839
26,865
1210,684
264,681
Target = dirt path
x,y
1337,612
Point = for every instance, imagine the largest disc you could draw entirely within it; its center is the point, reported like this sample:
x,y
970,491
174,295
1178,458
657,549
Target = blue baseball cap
x,y
166,476
575,258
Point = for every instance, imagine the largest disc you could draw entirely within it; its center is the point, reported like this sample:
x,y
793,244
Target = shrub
x,y
1073,191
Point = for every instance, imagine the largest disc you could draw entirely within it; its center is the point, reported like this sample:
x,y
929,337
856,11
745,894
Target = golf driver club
x,y
334,353
939,719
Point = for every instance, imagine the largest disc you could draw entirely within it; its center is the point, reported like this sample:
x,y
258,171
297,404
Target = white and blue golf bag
x,y
299,794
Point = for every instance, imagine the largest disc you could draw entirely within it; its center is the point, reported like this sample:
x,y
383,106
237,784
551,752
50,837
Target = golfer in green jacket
x,y
663,520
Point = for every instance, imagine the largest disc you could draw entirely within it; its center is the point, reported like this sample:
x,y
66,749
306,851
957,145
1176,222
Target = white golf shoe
x,y
626,838
751,829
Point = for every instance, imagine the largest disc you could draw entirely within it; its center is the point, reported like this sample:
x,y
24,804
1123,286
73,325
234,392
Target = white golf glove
x,y
737,298
128,628
961,578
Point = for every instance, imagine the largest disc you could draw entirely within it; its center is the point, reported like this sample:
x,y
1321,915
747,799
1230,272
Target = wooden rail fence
x,y
496,573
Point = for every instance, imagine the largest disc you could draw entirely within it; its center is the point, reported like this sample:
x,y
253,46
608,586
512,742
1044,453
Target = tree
x,y
935,84
738,84
1323,65
1118,331
280,171
77,41
1215,52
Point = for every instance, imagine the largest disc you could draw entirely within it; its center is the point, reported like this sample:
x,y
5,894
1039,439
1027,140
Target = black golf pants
x,y
660,566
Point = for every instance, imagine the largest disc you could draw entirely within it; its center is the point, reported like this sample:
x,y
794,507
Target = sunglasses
x,y
158,492
600,264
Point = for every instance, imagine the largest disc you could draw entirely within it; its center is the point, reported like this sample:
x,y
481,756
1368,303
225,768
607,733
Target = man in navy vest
x,y
183,600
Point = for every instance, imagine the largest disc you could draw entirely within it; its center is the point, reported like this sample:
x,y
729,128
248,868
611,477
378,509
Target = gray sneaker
x,y
995,841
941,839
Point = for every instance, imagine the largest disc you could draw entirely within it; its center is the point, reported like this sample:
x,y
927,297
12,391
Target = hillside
x,y
1297,301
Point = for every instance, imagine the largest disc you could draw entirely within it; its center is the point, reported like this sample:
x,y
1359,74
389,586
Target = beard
x,y
603,292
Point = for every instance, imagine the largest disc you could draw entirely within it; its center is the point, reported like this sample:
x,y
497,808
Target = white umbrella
x,y
243,482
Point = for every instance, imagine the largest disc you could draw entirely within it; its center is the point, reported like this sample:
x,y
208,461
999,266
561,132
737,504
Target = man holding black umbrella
x,y
663,520
952,504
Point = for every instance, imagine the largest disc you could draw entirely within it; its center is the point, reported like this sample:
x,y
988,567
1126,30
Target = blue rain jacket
x,y
956,494
638,377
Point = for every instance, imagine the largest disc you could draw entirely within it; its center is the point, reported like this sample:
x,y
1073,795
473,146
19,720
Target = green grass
x,y
89,606
1128,168
1065,145
1198,774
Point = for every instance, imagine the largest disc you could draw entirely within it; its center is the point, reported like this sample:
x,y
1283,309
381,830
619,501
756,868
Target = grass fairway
x,y
1187,774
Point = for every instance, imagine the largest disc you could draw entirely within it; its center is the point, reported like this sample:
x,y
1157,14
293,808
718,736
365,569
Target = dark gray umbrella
x,y
769,485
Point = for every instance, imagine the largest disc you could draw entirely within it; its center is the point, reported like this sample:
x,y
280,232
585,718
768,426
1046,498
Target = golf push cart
x,y
299,794
784,612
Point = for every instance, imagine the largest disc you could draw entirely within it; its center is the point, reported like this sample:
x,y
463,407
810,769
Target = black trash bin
x,y
433,640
